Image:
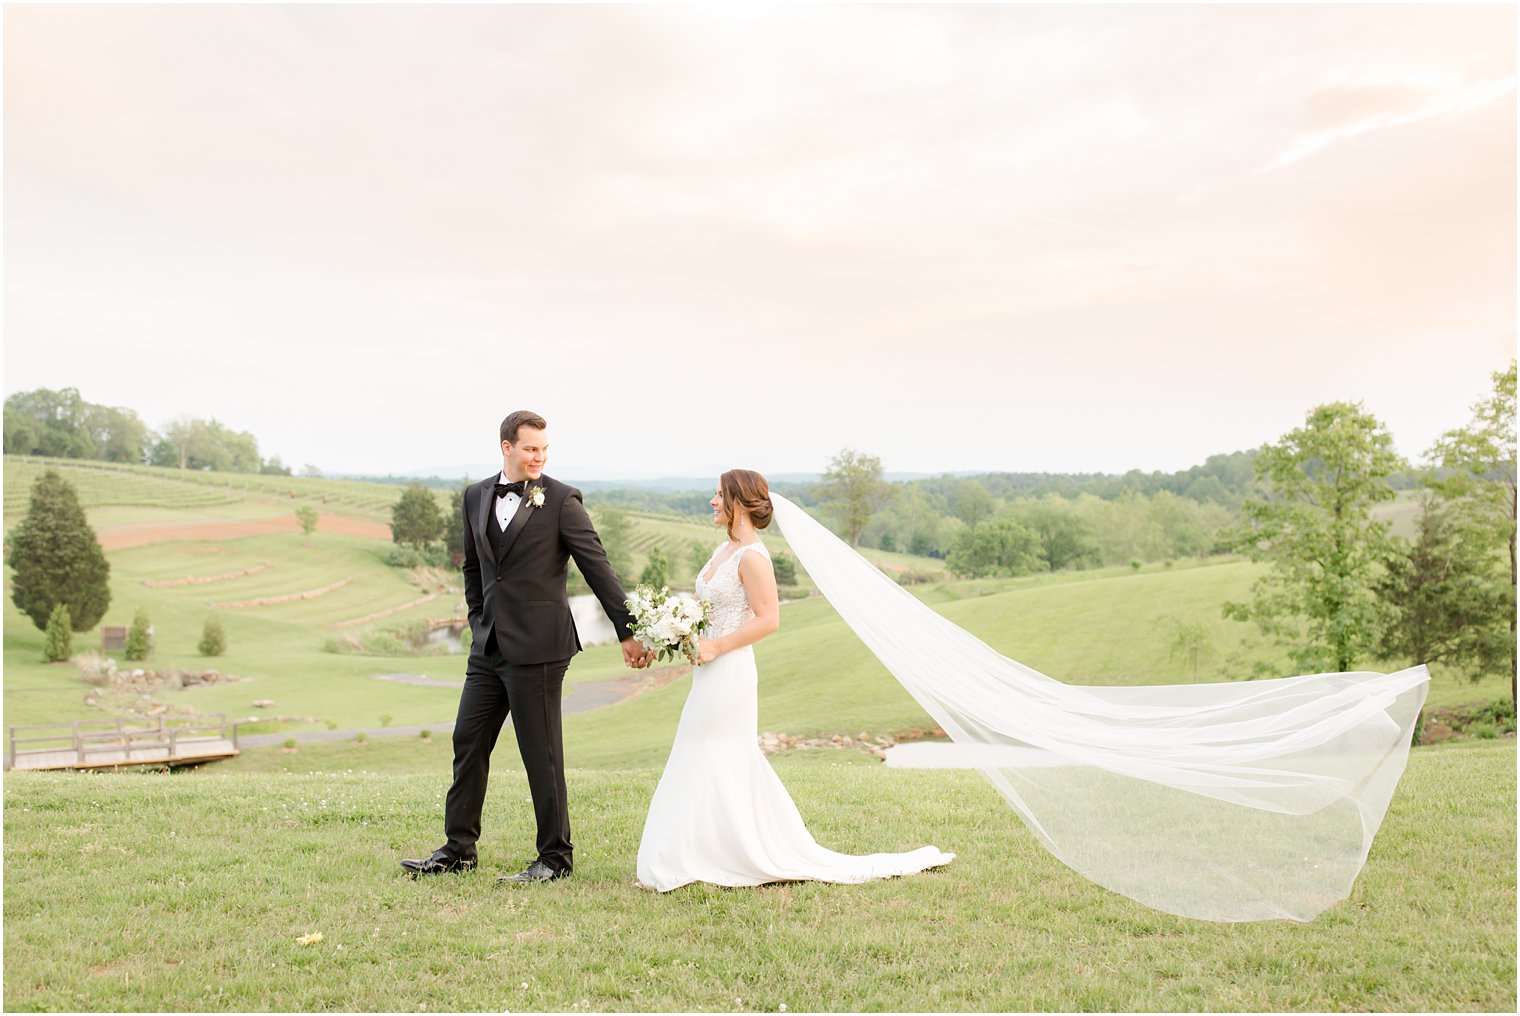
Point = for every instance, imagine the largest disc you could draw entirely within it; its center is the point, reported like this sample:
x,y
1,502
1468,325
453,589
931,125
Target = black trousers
x,y
530,694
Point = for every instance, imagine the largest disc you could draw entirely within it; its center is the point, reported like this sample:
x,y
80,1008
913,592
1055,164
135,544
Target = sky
x,y
1022,238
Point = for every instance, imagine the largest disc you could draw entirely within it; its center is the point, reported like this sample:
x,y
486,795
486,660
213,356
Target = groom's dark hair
x,y
522,416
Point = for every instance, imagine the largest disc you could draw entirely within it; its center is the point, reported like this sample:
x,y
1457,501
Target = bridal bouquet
x,y
667,624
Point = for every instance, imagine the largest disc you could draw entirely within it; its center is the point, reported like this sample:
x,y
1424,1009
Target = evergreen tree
x,y
139,642
57,558
1451,599
58,644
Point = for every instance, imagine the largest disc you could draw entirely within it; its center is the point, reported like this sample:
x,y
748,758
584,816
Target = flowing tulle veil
x,y
1238,801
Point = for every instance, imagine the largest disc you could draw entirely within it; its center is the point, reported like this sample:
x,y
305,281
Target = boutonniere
x,y
536,497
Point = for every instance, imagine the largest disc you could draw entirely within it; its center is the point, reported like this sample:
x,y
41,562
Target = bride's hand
x,y
707,651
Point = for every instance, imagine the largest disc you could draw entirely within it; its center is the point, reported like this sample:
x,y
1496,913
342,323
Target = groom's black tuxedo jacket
x,y
514,581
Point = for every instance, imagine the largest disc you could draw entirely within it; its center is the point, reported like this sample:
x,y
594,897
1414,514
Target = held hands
x,y
635,655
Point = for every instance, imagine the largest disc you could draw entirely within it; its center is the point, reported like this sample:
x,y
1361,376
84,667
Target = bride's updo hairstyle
x,y
746,488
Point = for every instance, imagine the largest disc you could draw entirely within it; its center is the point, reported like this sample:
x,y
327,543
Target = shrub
x,y
213,638
93,668
433,555
306,515
58,645
139,640
785,569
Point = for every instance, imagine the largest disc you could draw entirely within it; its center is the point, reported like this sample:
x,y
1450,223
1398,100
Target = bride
x,y
720,814
1231,801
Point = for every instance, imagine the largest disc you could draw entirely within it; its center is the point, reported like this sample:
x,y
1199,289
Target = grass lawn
x,y
136,891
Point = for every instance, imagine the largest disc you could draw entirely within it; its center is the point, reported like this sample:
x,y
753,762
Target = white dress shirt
x,y
506,505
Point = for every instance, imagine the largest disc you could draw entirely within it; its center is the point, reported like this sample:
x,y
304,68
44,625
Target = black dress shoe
x,y
437,863
538,871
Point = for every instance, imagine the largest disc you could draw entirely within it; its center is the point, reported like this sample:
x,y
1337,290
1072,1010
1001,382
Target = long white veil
x,y
1240,801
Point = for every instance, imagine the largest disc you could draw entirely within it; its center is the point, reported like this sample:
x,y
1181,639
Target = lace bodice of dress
x,y
730,604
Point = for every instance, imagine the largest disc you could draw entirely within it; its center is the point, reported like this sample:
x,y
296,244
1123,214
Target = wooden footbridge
x,y
106,743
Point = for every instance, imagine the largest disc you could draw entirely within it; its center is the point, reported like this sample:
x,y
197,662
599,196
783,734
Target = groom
x,y
520,529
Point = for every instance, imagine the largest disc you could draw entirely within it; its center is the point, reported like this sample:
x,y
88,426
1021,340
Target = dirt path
x,y
140,533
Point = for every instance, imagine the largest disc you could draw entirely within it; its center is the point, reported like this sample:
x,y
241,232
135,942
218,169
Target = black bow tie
x,y
503,489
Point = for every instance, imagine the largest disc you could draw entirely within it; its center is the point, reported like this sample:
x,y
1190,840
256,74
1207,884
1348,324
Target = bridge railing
x,y
97,737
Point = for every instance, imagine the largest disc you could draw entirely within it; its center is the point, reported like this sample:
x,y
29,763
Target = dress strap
x,y
757,545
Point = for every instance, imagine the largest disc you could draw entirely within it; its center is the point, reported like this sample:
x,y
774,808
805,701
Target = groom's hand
x,y
634,654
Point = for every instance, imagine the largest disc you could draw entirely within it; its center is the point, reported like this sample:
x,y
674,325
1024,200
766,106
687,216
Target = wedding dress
x,y
1234,801
720,814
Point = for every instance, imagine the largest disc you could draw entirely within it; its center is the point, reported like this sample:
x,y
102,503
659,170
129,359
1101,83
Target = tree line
x,y
62,425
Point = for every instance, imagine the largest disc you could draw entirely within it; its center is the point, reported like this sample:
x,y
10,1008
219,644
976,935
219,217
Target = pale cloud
x,y
1402,101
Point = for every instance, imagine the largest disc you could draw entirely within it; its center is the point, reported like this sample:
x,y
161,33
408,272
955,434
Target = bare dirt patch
x,y
195,580
269,601
139,533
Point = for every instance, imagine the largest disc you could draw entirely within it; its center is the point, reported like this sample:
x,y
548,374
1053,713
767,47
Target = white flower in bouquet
x,y
666,624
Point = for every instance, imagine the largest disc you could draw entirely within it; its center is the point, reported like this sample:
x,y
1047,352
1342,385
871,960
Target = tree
x,y
57,558
453,524
970,502
616,532
44,422
1064,537
213,638
415,518
1451,601
1190,641
306,515
1316,531
1481,483
139,637
853,487
697,556
656,574
58,642
998,546
183,436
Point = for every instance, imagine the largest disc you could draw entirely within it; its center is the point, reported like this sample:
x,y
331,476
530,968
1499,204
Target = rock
x,y
263,703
